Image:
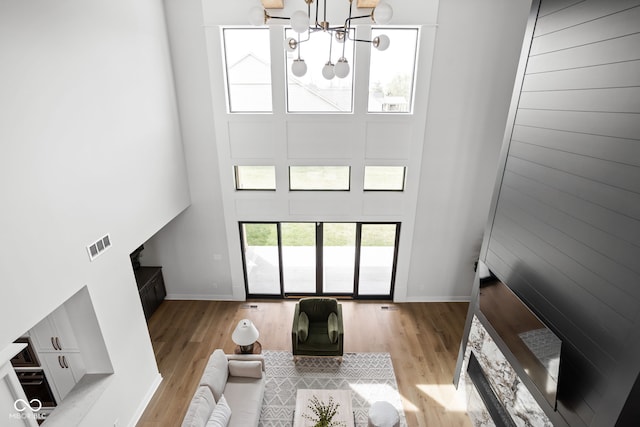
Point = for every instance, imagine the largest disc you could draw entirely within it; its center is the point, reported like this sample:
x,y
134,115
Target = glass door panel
x,y
338,257
262,266
377,253
298,257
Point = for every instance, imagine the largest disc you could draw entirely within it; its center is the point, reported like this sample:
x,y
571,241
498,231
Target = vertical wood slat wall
x,y
566,230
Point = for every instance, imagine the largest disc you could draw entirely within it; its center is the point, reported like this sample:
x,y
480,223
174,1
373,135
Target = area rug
x,y
369,376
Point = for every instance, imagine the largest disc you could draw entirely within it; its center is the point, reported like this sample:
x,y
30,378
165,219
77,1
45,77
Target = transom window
x,y
330,178
384,178
255,177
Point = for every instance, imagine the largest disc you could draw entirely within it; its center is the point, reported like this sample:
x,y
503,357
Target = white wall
x,y
477,50
89,144
453,142
200,251
189,247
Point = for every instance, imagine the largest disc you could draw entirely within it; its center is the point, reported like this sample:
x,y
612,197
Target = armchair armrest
x,y
294,327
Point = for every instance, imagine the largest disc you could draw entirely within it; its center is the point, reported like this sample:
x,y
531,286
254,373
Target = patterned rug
x,y
369,376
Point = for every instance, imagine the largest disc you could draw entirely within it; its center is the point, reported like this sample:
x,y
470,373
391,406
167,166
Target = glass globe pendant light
x,y
382,13
302,22
381,42
341,68
298,67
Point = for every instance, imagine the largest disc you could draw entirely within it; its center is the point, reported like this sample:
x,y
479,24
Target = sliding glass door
x,y
377,258
261,258
299,257
308,258
338,257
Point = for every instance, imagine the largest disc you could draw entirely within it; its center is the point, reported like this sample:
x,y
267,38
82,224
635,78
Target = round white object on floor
x,y
383,414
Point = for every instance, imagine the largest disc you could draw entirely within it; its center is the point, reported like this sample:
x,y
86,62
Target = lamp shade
x,y
245,333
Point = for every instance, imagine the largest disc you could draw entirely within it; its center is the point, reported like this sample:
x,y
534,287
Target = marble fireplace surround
x,y
507,385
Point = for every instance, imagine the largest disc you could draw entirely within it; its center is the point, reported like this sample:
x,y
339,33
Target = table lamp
x,y
245,335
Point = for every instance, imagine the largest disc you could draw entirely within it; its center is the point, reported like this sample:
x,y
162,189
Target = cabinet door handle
x,y
64,359
58,342
53,343
60,361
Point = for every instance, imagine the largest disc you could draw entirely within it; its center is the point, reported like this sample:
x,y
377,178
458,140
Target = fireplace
x,y
498,413
506,401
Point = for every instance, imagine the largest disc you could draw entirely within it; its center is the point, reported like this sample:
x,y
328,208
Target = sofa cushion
x,y
303,327
244,396
245,368
216,373
333,328
200,409
221,414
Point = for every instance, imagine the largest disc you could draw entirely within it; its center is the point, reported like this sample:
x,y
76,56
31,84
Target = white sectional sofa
x,y
230,392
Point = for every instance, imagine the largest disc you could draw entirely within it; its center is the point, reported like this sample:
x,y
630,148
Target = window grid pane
x,y
248,69
312,92
255,177
391,72
384,178
329,178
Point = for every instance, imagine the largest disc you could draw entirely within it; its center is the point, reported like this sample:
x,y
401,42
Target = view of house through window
x,y
312,92
247,54
391,72
248,69
320,258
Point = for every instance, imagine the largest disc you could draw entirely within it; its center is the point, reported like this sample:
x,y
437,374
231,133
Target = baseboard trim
x,y
186,297
437,299
145,401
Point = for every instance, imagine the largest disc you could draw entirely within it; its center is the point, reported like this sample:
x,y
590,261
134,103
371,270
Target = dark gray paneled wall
x,y
566,230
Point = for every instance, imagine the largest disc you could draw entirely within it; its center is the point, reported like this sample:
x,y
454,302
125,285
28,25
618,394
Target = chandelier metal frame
x,y
301,23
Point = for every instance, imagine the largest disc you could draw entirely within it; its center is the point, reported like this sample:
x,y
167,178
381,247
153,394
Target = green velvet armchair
x,y
317,328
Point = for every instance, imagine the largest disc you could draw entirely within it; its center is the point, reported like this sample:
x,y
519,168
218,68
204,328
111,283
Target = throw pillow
x,y
332,326
200,408
245,368
216,373
303,327
220,415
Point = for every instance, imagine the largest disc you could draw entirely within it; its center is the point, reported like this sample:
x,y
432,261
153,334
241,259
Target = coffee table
x,y
342,397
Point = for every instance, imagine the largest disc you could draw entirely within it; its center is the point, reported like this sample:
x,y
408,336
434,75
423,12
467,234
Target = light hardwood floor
x,y
422,338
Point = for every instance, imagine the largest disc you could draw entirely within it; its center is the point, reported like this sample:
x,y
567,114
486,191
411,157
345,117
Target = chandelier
x,y
305,25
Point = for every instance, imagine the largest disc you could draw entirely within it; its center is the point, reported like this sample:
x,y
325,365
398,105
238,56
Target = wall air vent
x,y
98,247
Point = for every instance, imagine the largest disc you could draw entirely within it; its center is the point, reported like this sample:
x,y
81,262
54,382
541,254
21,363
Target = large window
x,y
391,72
323,258
248,69
312,92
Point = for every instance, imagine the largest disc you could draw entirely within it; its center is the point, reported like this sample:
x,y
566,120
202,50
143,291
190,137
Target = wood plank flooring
x,y
422,338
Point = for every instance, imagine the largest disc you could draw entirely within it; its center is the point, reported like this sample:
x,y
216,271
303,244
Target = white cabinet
x,y
54,333
64,370
55,342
